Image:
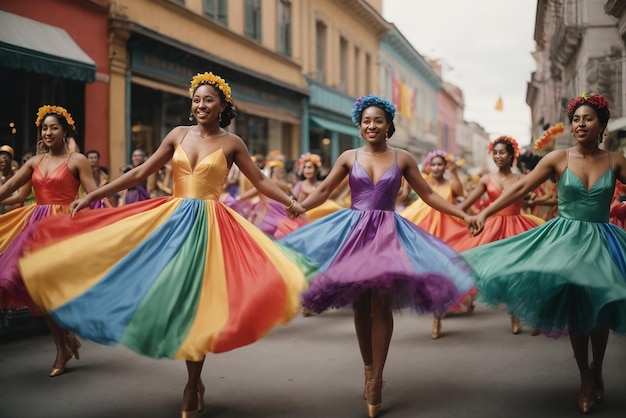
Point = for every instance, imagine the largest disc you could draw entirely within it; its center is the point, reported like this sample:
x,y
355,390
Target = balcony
x,y
565,42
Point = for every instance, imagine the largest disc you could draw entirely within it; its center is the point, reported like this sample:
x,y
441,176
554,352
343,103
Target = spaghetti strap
x,y
395,156
185,136
610,165
356,153
225,138
566,158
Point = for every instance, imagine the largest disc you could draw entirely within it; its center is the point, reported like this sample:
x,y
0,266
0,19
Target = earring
x,y
219,117
190,117
386,136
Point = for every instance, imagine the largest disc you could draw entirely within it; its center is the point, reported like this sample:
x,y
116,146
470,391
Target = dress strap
x,y
566,157
395,156
185,136
356,153
226,135
610,165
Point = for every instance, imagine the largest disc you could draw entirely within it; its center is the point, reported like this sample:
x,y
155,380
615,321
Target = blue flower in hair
x,y
364,102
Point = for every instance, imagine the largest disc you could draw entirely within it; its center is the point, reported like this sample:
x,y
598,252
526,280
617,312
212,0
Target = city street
x,y
312,368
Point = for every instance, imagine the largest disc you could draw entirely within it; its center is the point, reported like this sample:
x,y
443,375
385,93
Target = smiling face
x,y
586,126
53,133
206,104
374,125
309,170
501,155
437,167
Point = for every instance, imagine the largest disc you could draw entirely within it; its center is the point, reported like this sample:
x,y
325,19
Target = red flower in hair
x,y
595,99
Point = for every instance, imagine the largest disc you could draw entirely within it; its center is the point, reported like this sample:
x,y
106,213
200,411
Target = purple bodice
x,y
380,196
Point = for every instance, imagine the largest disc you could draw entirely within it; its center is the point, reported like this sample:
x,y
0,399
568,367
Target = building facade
x,y
54,53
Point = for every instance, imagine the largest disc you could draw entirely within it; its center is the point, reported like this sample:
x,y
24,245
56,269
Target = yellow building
x,y
294,67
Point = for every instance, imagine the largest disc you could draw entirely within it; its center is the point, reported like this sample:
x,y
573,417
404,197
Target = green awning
x,y
334,126
26,44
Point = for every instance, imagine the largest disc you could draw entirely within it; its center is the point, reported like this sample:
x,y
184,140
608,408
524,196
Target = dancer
x,y
56,174
448,228
371,257
508,221
178,276
586,296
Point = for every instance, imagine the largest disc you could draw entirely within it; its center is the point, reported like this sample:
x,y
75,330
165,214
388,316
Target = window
x,y
284,27
320,51
358,68
368,72
343,64
253,19
217,9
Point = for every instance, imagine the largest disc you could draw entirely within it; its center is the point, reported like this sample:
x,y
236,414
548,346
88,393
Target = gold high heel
x,y
192,413
515,325
585,403
56,371
374,391
201,389
73,344
436,328
367,372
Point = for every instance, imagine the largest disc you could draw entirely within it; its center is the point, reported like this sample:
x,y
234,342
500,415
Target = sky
x,y
486,49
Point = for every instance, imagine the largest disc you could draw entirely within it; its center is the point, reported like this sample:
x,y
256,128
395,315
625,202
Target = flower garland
x,y
548,136
45,110
364,102
432,154
214,80
595,99
509,140
313,158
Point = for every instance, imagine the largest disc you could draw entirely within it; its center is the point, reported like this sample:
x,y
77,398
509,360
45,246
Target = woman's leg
x,y
194,389
599,340
382,330
363,325
586,396
64,353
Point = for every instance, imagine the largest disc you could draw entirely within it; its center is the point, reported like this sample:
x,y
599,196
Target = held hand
x,y
78,204
295,210
476,223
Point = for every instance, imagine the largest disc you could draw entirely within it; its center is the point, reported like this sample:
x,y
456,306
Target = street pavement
x,y
311,368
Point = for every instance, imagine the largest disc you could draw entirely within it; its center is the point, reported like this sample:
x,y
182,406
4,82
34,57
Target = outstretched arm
x,y
135,176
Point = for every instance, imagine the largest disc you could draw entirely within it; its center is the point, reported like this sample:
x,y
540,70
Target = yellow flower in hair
x,y
58,110
212,79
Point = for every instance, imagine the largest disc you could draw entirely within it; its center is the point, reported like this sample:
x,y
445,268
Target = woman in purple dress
x,y
371,257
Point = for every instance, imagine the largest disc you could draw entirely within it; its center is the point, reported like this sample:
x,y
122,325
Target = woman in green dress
x,y
567,276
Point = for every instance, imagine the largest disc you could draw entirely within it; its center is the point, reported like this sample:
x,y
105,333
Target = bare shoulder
x,y
405,158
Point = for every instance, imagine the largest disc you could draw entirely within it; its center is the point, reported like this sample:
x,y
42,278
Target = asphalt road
x,y
311,368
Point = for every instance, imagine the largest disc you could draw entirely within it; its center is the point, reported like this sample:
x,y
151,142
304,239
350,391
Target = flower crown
x,y
314,158
548,136
364,102
214,80
597,100
45,110
432,154
509,140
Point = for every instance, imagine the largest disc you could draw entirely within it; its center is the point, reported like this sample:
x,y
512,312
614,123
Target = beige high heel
x,y
515,325
374,394
436,328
